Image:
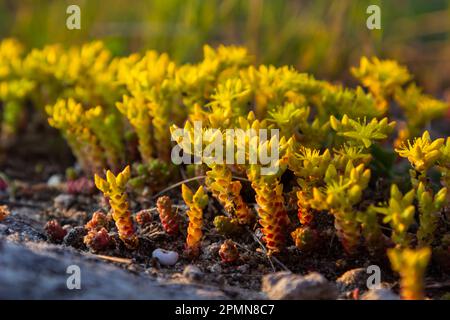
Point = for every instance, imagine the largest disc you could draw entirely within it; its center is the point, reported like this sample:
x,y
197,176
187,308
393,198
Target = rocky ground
x,y
35,269
32,268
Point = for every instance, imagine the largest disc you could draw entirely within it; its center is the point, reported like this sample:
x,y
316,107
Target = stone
x,y
380,294
165,257
210,251
192,272
215,268
289,286
39,271
353,279
245,268
63,201
54,181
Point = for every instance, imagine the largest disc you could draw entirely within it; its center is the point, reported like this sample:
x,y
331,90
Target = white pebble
x,y
165,257
55,180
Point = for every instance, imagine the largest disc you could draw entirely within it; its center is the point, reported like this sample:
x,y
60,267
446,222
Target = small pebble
x,y
215,268
289,286
353,279
210,251
3,229
259,234
165,257
192,272
55,180
244,268
380,294
67,227
63,201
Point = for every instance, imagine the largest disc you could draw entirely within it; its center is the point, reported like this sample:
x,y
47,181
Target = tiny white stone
x,y
165,257
55,180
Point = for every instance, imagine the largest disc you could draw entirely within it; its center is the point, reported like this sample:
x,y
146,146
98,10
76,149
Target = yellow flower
x,y
422,153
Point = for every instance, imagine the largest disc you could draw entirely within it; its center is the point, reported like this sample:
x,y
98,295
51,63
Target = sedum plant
x,y
342,191
70,118
305,238
228,101
291,119
381,77
113,189
108,129
219,181
14,89
361,133
168,217
116,110
443,164
386,80
227,226
422,153
228,251
429,207
419,108
309,166
411,264
371,230
137,111
151,176
219,176
399,213
271,209
196,202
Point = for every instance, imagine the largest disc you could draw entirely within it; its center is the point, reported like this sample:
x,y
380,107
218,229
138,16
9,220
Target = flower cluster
x,y
15,89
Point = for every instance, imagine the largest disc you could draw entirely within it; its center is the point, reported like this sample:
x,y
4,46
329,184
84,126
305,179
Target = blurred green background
x,y
324,37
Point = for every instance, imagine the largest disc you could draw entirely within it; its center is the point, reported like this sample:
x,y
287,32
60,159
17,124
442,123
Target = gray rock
x,y
353,279
63,201
192,272
20,227
3,229
39,271
215,268
380,294
211,251
244,268
289,286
